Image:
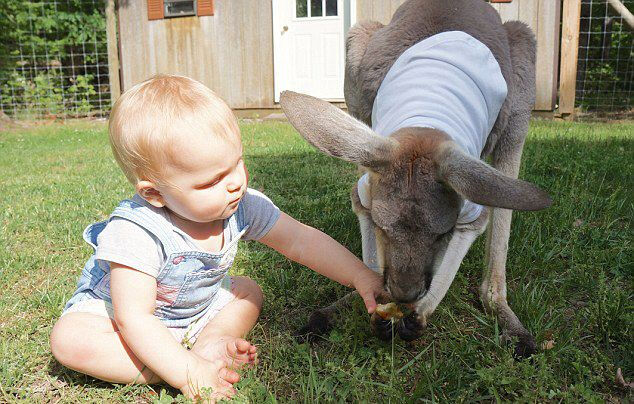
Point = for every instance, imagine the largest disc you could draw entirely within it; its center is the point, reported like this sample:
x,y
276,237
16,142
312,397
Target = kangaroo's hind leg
x,y
506,157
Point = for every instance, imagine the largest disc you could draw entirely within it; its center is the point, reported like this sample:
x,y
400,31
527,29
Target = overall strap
x,y
236,221
151,221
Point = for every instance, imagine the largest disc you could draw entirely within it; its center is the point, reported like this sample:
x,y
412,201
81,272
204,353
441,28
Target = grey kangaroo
x,y
442,87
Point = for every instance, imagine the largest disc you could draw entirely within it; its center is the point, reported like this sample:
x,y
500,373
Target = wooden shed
x,y
248,51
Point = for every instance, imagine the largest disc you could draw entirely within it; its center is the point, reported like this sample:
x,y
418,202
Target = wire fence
x,y
53,59
605,70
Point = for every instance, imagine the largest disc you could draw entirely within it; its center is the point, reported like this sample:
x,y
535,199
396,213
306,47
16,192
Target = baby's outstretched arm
x,y
318,251
133,298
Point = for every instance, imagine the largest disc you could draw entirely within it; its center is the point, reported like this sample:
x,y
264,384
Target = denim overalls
x,y
188,280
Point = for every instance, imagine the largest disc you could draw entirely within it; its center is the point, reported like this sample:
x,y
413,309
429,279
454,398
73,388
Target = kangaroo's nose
x,y
405,295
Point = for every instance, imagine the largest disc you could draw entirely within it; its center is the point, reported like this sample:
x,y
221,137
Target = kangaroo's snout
x,y
405,292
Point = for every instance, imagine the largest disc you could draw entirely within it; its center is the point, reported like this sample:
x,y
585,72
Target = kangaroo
x,y
442,87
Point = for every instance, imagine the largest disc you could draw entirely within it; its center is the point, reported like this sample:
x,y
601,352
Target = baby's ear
x,y
147,190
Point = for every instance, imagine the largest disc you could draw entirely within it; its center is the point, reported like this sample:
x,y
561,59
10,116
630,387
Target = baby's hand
x,y
209,381
369,284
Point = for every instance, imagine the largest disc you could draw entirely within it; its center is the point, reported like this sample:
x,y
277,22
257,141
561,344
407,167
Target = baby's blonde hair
x,y
148,120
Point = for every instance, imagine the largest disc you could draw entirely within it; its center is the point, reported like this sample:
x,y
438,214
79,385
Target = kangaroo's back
x,y
414,21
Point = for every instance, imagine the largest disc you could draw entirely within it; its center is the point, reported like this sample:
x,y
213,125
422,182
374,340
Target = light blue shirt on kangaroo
x,y
143,237
450,82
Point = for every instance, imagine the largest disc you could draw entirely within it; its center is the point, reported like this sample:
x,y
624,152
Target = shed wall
x,y
231,52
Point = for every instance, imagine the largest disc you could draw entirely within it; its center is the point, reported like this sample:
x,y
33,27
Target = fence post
x,y
569,52
113,50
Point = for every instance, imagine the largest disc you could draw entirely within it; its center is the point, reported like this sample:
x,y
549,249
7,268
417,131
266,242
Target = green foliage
x,y
605,74
50,56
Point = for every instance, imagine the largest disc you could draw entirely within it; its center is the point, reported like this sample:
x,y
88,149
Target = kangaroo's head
x,y
419,179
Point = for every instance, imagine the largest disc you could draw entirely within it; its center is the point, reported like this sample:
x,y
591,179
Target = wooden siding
x,y
231,52
542,16
377,10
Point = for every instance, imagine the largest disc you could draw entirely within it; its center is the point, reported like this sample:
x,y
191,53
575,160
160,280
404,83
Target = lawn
x,y
570,276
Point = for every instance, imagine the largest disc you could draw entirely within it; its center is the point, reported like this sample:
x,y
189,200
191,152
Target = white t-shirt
x,y
450,82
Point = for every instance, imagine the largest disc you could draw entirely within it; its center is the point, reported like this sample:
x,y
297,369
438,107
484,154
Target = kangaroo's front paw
x,y
319,324
381,328
410,327
524,344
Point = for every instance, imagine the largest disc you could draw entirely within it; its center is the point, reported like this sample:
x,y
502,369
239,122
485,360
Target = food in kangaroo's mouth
x,y
389,311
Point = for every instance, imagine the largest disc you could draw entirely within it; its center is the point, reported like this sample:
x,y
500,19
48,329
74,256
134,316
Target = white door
x,y
308,47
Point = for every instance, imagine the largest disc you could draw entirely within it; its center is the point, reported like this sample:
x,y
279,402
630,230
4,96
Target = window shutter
x,y
155,10
205,7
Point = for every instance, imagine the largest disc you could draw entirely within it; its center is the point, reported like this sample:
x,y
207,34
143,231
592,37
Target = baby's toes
x,y
229,376
242,346
238,351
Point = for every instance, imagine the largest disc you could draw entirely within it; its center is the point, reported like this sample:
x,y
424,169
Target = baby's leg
x,y
222,336
92,344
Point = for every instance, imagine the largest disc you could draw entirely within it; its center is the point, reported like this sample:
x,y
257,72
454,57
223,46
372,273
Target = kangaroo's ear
x,y
336,133
482,184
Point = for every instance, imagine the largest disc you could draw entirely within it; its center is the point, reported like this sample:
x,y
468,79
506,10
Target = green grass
x,y
569,276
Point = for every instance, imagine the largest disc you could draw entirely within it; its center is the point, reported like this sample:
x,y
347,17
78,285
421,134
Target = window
x,y
331,8
179,8
315,8
160,9
301,9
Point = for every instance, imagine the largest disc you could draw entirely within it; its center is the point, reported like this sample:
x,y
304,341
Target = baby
x,y
154,302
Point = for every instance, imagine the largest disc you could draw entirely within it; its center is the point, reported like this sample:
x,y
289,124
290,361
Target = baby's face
x,y
207,180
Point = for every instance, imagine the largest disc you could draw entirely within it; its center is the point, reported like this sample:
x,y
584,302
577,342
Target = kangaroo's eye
x,y
442,236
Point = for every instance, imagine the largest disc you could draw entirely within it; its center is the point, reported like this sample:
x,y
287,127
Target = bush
x,y
604,75
52,57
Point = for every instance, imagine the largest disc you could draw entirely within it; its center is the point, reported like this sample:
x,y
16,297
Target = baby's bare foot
x,y
210,382
235,352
